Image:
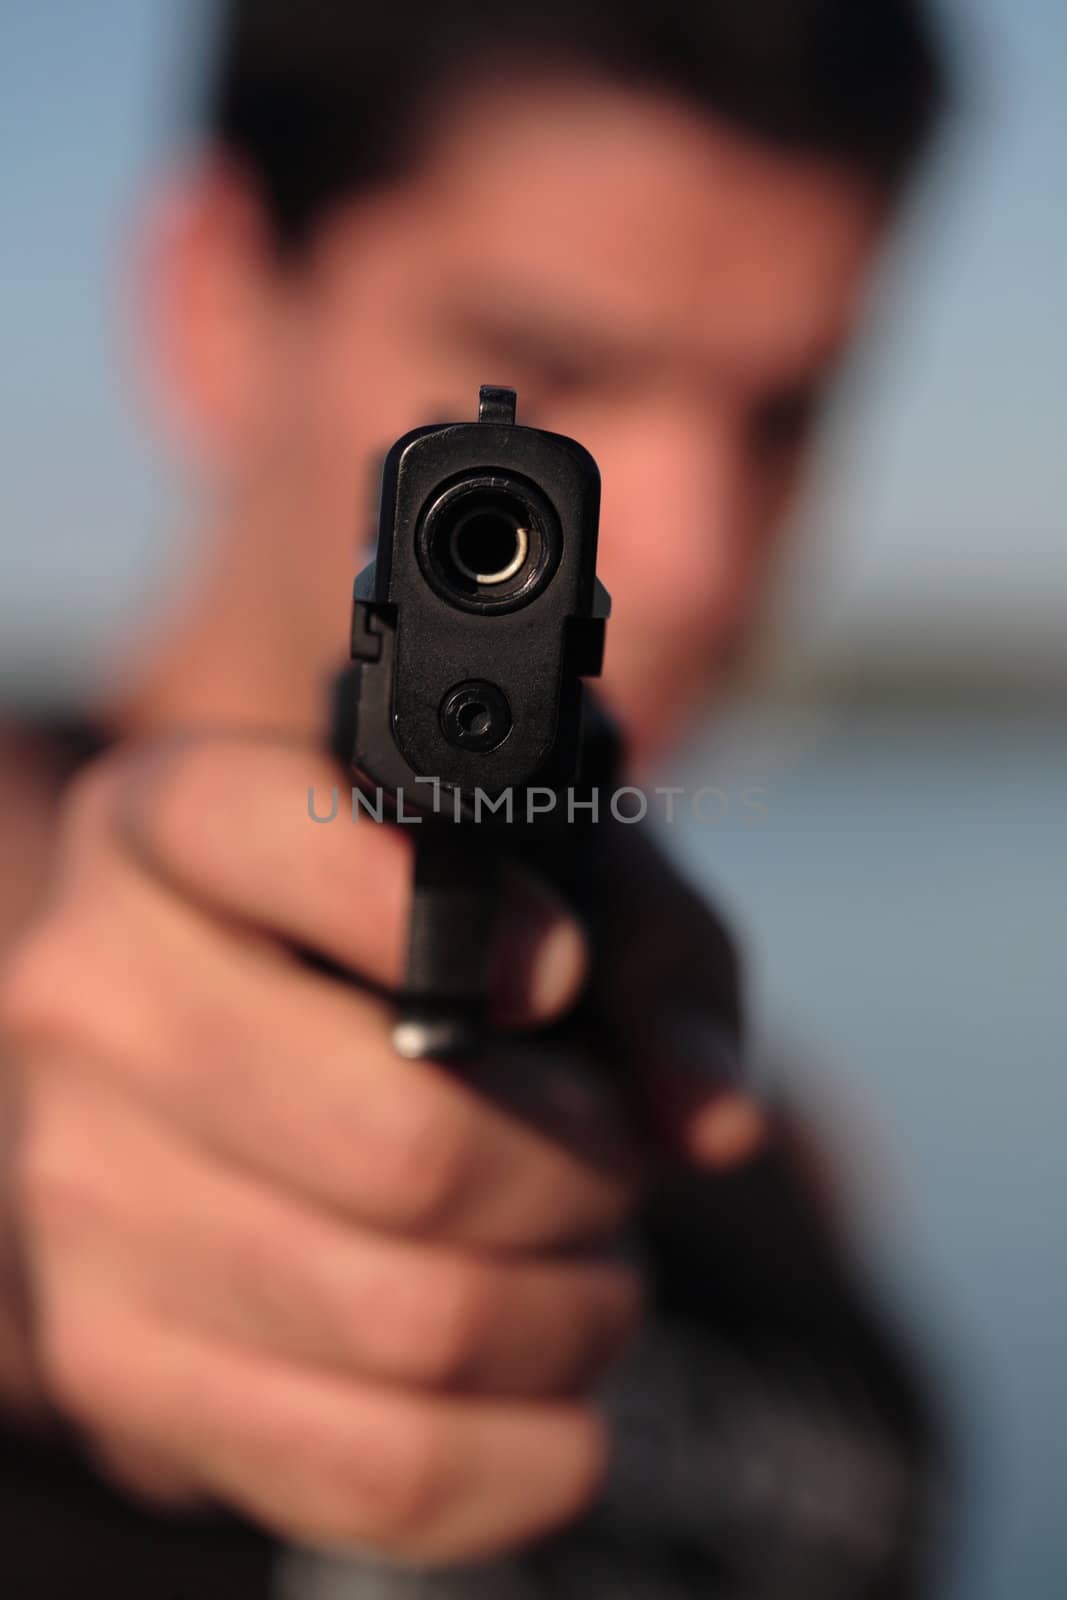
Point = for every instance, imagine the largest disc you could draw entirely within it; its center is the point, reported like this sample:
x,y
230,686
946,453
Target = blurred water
x,y
904,899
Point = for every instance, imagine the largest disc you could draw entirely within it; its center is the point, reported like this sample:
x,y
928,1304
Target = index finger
x,y
265,831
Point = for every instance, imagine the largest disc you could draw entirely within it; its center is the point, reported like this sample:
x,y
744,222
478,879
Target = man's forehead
x,y
620,219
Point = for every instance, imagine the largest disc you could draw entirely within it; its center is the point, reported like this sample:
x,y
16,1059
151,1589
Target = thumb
x,y
699,1112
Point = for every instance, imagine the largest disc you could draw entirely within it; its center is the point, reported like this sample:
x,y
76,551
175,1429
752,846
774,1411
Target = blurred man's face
x,y
668,291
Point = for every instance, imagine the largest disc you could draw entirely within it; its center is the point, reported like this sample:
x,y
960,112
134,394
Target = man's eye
x,y
549,373
555,380
786,422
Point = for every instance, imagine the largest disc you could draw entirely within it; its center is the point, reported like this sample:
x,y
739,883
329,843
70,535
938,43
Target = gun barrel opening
x,y
489,543
488,547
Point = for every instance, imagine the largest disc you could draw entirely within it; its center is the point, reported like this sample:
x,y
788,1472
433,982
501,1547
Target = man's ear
x,y
207,281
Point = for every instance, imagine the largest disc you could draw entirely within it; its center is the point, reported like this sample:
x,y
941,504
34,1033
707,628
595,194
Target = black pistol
x,y
465,714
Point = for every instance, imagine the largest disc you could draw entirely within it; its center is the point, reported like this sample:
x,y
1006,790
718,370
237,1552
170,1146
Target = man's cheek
x,y
655,680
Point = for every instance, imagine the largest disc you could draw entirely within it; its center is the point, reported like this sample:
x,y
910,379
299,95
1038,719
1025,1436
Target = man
x,y
257,1261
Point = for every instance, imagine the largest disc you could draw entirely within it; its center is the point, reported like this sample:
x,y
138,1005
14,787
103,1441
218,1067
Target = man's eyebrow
x,y
538,335
564,340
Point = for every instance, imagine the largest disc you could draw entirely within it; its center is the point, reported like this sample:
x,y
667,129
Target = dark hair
x,y
318,98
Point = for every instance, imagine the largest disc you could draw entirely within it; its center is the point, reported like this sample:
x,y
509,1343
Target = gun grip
x,y
442,1011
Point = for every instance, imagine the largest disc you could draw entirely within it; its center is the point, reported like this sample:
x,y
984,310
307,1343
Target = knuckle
x,y
64,1369
407,1494
54,1178
74,1364
429,1164
61,987
64,979
386,1504
184,790
38,989
146,1472
159,796
450,1324
269,1276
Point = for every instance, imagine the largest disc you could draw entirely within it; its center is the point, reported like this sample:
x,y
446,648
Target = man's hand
x,y
269,1261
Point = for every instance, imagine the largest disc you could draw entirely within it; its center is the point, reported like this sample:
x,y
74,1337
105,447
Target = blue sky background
x,y
942,499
